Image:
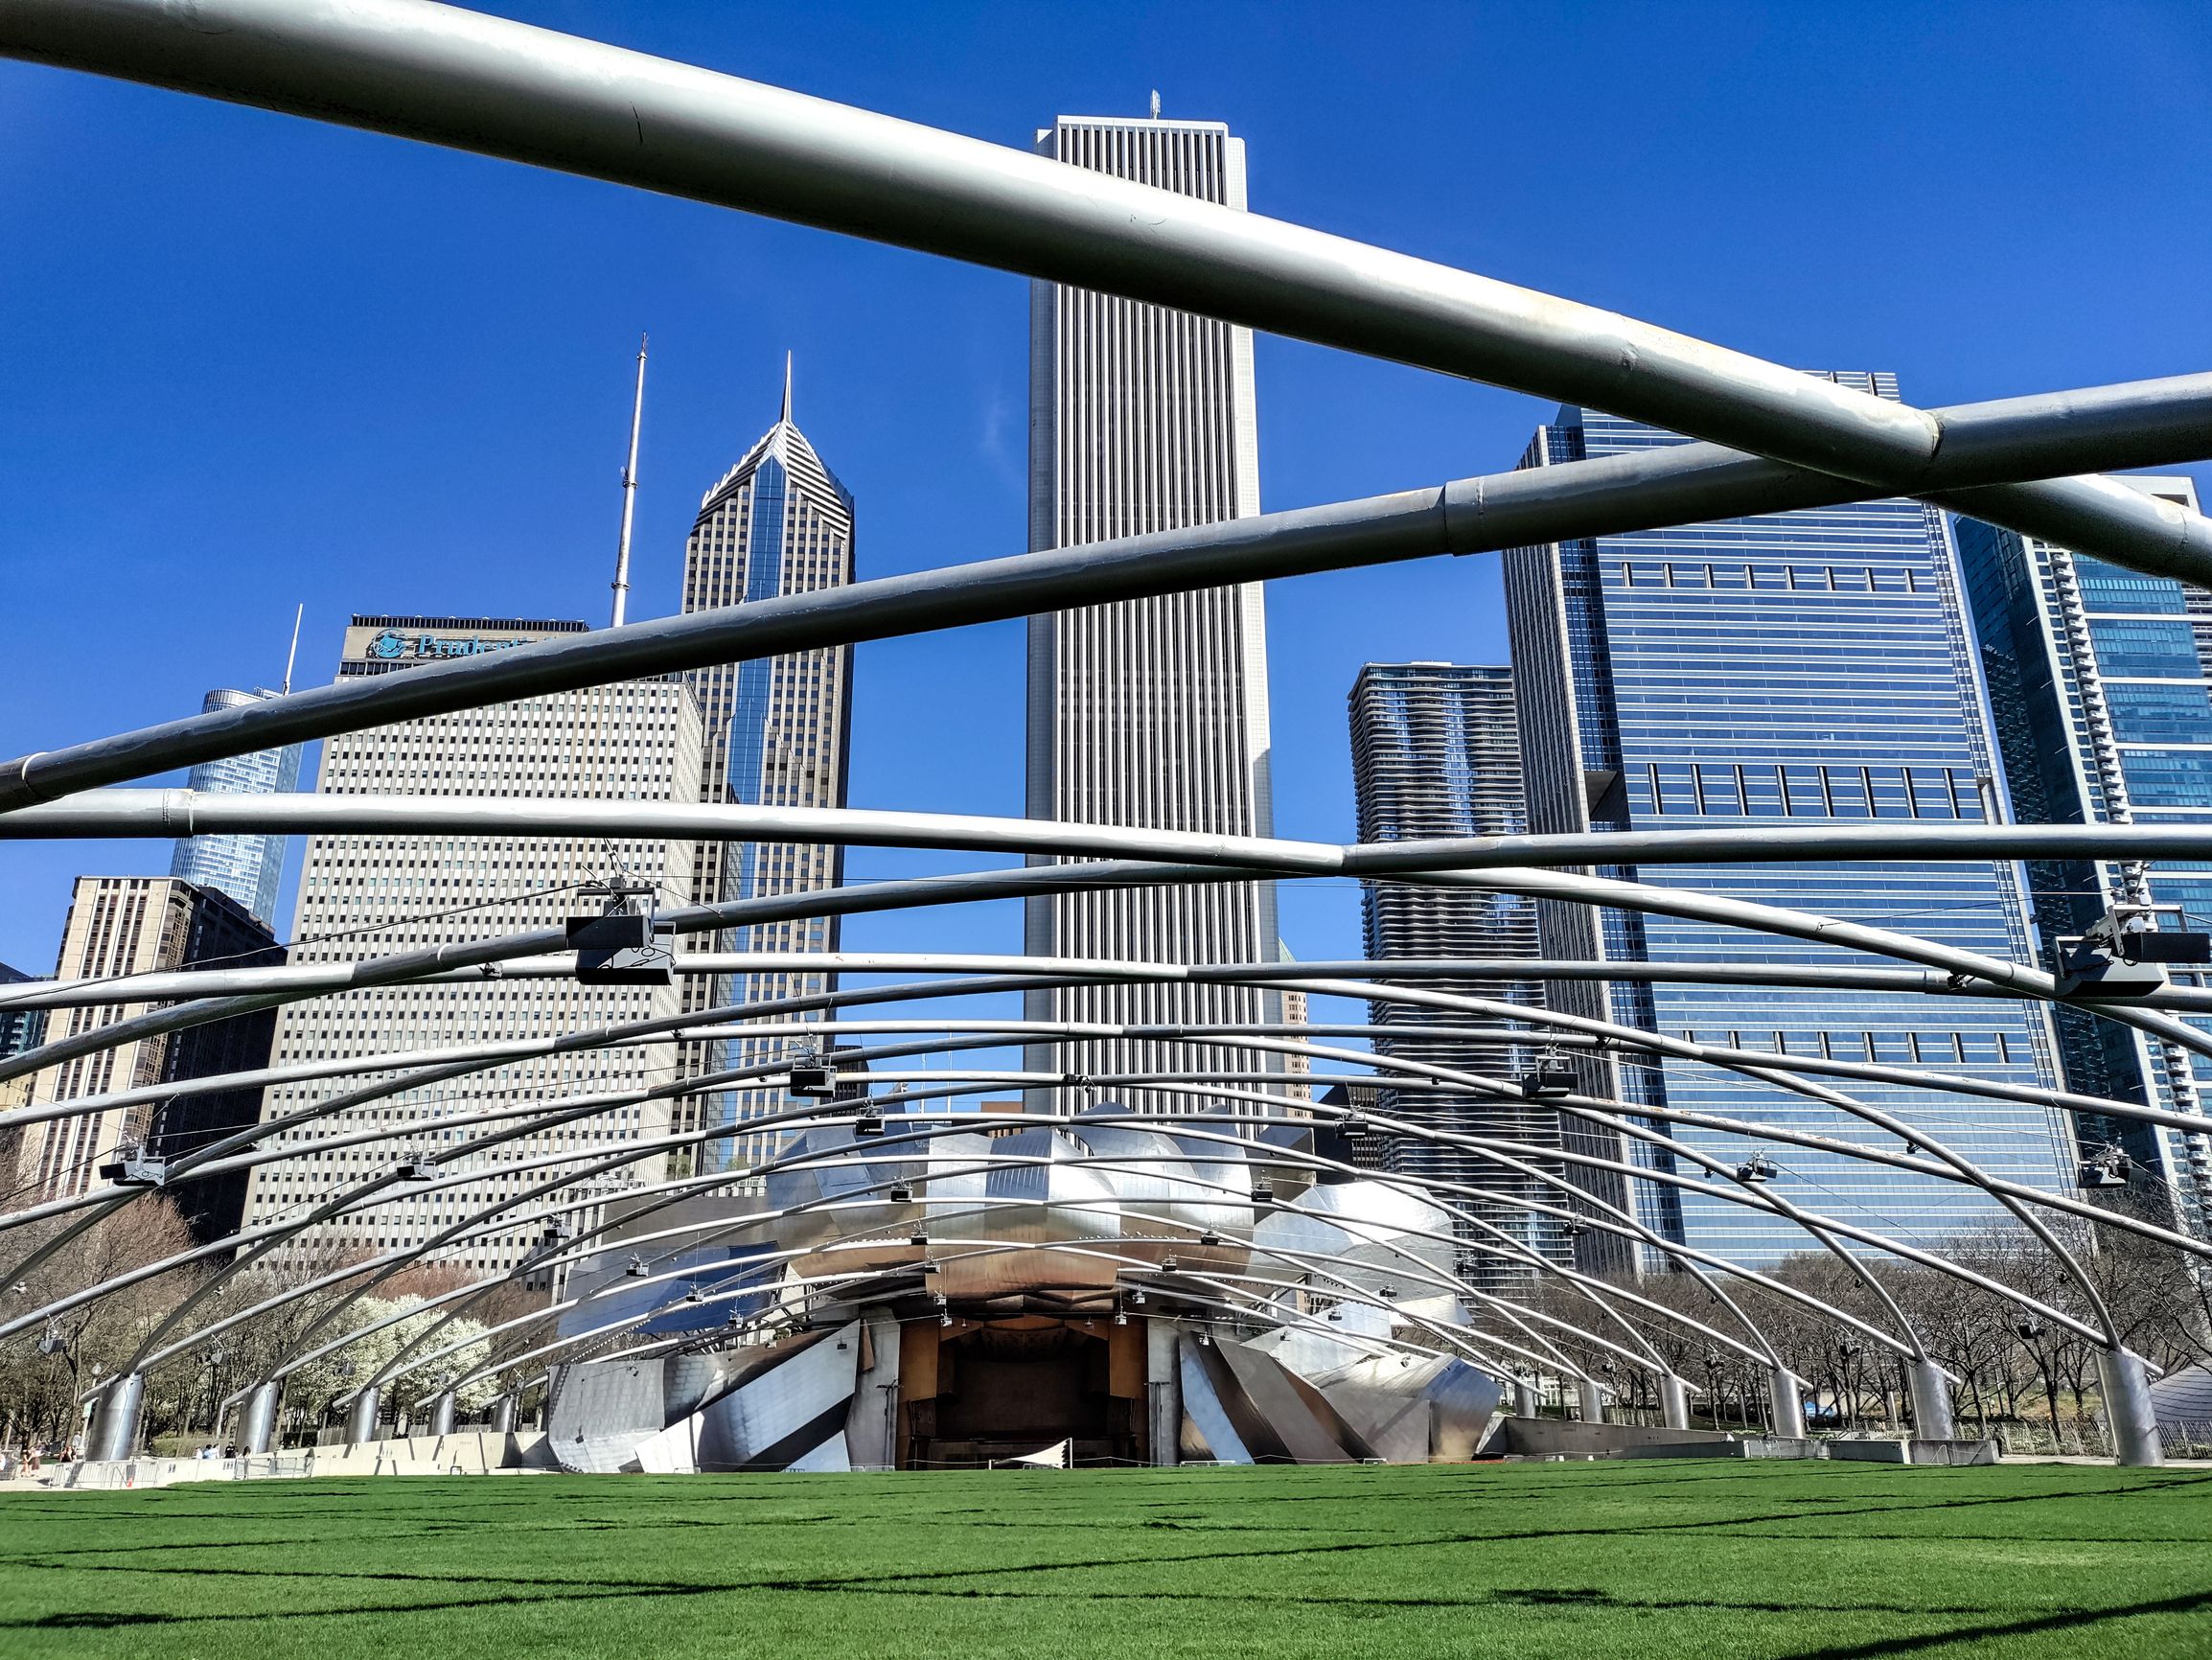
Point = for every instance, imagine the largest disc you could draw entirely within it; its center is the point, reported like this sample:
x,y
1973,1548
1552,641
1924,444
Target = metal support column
x,y
1931,1402
113,1432
1674,1402
362,1419
504,1415
1163,1393
257,1424
2128,1410
1593,1401
1527,1401
442,1410
1787,1391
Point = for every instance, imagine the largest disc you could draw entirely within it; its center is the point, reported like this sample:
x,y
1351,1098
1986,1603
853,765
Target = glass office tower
x,y
1435,751
777,731
1795,668
2101,681
246,867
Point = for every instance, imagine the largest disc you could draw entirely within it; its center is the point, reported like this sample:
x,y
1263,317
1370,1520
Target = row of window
x,y
1880,1047
1716,789
1782,578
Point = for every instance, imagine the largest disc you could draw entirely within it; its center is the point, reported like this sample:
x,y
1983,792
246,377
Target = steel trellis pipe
x,y
501,88
1375,861
164,815
1602,1033
1528,507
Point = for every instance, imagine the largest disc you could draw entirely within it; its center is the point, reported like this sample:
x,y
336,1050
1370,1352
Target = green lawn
x,y
1692,1561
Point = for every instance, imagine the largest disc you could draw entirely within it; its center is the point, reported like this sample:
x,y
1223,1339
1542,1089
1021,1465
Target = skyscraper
x,y
1798,668
1435,751
776,731
1149,712
21,1028
128,925
2101,681
247,867
369,896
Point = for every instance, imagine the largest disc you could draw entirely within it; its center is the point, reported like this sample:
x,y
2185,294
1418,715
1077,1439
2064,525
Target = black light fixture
x,y
691,1294
1136,1297
1167,1264
1550,1078
1120,1318
617,947
1757,1168
134,1168
928,1267
636,1268
812,1081
902,1194
1262,1192
2109,1169
1210,1237
919,1236
944,1320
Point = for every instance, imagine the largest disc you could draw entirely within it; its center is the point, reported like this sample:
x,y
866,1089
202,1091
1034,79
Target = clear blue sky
x,y
251,361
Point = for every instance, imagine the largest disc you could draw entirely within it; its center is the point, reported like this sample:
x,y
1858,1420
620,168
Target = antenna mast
x,y
294,656
629,493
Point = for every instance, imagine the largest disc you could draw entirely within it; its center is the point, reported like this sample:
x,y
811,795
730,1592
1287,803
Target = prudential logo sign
x,y
392,645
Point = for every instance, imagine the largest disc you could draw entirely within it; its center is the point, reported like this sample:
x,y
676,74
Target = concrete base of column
x,y
1673,1402
362,1417
257,1423
2134,1425
1593,1401
1931,1402
113,1432
1786,1391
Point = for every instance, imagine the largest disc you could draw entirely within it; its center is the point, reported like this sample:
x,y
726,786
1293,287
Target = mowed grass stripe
x,y
1713,1562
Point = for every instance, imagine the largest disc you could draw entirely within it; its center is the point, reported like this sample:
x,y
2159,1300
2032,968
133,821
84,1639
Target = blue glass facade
x,y
2101,681
776,733
22,1028
1795,668
249,868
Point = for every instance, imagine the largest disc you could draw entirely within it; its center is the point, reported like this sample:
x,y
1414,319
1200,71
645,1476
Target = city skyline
x,y
1792,851
476,447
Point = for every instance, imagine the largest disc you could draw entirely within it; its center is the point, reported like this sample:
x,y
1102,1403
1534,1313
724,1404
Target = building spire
x,y
292,656
785,417
628,494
